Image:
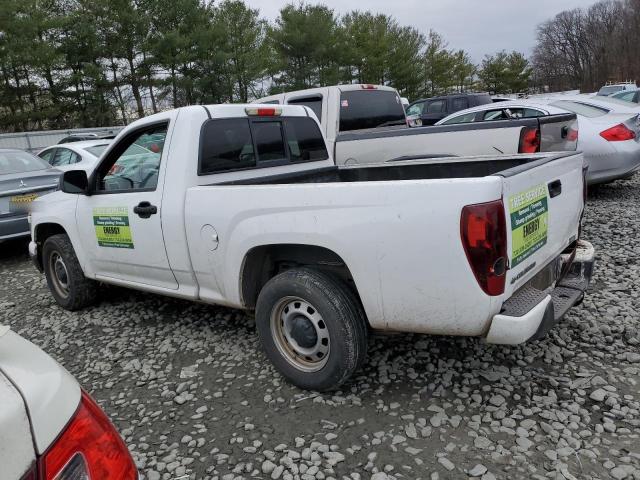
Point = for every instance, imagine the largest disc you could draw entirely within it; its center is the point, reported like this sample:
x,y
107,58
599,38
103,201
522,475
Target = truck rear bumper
x,y
531,313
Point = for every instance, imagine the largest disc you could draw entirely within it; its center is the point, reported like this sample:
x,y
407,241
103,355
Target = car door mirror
x,y
74,181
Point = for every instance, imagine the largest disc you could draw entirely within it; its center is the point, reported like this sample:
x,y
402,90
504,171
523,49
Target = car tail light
x,y
263,111
89,448
484,237
368,86
572,135
529,140
619,133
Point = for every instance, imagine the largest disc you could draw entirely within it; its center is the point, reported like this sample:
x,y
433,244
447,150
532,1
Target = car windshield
x,y
19,162
97,150
589,111
609,90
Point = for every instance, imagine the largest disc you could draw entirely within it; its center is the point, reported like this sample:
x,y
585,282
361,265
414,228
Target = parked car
x,y
611,88
49,427
433,109
71,156
23,178
632,96
367,124
608,138
257,216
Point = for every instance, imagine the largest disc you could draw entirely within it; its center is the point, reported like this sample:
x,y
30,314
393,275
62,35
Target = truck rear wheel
x,y
68,285
312,328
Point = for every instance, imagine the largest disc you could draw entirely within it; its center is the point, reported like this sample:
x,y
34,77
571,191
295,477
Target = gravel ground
x,y
194,397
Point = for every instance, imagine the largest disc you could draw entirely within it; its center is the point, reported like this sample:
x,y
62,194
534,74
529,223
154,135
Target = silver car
x,y
23,178
608,131
74,156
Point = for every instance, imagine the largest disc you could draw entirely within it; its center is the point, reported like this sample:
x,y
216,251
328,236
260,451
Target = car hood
x,y
29,181
50,393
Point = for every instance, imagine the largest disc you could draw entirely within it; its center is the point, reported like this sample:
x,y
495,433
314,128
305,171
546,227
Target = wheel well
x,y
265,262
44,231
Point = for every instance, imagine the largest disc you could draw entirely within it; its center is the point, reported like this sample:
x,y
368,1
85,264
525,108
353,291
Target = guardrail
x,y
36,141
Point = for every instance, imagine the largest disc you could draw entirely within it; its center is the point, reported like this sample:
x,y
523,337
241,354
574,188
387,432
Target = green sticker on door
x,y
529,222
112,227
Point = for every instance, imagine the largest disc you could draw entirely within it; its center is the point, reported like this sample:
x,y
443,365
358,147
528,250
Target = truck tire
x,y
312,328
66,281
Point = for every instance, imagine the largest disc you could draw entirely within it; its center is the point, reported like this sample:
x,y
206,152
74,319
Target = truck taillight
x,y
263,111
89,448
529,140
368,86
619,133
484,237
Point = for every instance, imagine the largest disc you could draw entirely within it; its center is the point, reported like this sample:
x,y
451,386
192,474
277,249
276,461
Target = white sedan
x,y
73,156
49,427
609,132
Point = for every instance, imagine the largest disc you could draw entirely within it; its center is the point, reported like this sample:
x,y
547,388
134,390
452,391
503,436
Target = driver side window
x,y
135,162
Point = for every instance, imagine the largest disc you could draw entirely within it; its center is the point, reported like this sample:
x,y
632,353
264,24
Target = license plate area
x,y
20,203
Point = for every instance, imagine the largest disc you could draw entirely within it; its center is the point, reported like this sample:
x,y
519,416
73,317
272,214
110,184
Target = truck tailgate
x,y
543,204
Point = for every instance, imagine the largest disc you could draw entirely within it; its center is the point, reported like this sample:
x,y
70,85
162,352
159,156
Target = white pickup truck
x,y
367,124
243,206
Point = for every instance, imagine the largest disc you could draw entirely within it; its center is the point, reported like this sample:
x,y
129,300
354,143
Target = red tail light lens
x,y
529,140
619,133
368,86
89,448
572,135
484,237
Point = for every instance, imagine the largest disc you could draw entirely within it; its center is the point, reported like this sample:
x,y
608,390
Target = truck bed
x,y
411,169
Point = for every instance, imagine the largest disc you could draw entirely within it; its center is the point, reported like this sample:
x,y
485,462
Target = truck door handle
x,y
555,188
145,209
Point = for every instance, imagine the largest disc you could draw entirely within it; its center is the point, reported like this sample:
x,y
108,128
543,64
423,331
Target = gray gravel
x,y
194,398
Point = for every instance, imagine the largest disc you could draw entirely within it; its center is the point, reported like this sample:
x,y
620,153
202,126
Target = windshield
x,y
360,109
19,162
589,111
97,150
604,91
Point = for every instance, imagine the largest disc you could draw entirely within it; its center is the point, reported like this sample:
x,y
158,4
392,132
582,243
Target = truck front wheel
x,y
66,281
312,328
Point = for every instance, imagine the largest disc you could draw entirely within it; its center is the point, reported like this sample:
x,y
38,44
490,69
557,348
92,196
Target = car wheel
x,y
66,281
311,328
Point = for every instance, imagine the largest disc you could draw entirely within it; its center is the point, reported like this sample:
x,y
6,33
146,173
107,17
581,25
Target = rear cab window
x,y
242,143
363,109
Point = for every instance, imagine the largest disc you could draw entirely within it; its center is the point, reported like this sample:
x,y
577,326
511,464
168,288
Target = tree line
x,y
84,63
585,48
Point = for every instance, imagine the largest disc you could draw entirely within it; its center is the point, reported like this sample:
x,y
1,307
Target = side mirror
x,y
74,181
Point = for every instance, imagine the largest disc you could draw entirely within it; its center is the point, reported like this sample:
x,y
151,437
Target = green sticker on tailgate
x,y
112,227
529,222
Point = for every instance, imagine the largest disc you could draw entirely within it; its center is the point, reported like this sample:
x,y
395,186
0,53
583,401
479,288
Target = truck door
x,y
120,219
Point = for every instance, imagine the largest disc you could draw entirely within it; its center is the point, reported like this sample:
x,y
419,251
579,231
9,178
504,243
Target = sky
x,y
478,26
